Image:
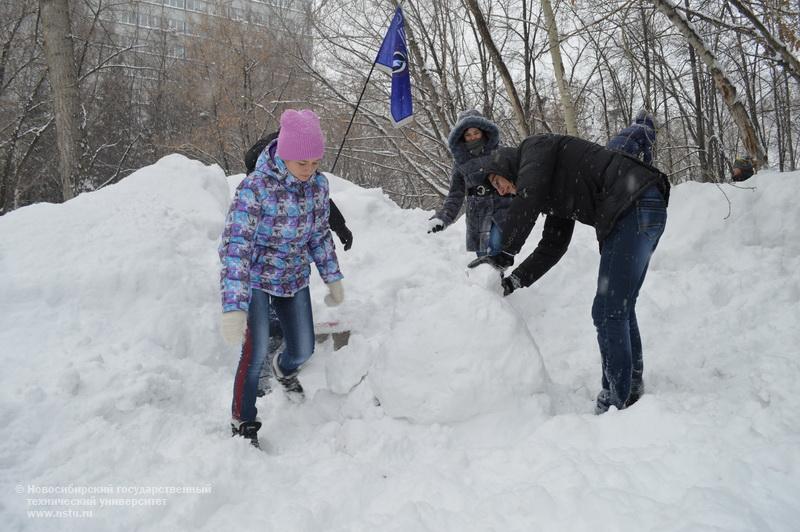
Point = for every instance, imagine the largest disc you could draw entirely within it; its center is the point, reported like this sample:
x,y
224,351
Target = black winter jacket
x,y
566,179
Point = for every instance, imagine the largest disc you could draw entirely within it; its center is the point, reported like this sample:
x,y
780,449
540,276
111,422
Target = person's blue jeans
x,y
275,329
624,259
296,320
495,241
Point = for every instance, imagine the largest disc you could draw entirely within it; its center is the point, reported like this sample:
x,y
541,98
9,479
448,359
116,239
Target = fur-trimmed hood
x,y
466,120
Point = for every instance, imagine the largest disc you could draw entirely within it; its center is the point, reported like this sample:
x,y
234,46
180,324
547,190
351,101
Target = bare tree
x,y
57,34
723,83
497,59
148,87
558,68
787,59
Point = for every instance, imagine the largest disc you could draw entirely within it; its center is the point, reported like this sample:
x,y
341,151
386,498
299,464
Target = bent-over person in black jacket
x,y
566,179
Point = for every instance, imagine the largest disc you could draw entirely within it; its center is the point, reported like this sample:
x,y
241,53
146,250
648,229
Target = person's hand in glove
x,y
510,284
335,294
500,262
435,225
233,326
345,235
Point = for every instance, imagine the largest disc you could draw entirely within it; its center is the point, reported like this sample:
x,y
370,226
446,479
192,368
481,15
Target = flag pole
x,y
353,116
358,103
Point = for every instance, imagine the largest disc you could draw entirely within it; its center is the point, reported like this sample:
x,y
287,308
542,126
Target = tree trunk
x,y
497,59
670,164
58,48
649,99
780,125
724,85
788,120
558,68
750,87
699,114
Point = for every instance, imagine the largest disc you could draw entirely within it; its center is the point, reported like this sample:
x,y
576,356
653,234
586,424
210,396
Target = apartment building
x,y
174,23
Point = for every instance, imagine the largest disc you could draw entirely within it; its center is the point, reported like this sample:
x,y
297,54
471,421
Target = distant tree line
x,y
82,104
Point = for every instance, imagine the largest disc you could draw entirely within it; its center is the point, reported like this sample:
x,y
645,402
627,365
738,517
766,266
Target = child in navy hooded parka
x,y
637,139
276,226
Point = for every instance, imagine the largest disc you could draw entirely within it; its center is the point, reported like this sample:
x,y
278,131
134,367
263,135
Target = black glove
x,y
510,284
345,235
435,225
500,262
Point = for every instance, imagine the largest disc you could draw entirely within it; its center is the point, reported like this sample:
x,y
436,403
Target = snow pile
x,y
115,376
454,351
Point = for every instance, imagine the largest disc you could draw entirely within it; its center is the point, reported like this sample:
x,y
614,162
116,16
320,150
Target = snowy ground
x,y
115,388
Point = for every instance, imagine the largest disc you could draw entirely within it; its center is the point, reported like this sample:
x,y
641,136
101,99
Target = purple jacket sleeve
x,y
236,247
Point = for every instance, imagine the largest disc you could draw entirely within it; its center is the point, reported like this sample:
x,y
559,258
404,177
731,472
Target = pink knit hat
x,y
300,138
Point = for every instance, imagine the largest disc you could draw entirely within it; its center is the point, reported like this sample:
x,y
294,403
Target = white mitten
x,y
335,294
233,326
435,225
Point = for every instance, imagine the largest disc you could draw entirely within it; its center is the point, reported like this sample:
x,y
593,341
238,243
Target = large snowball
x,y
454,352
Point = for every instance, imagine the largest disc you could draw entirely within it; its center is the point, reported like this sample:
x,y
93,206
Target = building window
x,y
177,51
196,5
149,21
176,3
176,25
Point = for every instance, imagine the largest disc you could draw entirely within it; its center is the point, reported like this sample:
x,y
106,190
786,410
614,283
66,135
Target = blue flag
x,y
393,59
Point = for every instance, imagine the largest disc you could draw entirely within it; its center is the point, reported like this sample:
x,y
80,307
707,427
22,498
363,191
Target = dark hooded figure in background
x,y
742,168
638,138
566,179
472,142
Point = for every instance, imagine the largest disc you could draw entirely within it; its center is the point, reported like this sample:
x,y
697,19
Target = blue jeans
x,y
495,241
624,259
275,329
297,322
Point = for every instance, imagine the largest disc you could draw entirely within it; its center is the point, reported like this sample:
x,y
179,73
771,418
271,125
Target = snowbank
x,y
114,375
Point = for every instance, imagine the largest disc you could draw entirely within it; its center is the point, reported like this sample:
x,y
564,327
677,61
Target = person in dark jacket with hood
x,y
637,139
471,142
567,179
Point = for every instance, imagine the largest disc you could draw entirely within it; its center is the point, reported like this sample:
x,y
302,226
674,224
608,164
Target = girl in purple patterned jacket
x,y
277,224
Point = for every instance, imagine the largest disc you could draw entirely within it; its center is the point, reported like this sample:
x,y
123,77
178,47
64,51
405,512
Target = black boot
x,y
294,390
247,429
637,390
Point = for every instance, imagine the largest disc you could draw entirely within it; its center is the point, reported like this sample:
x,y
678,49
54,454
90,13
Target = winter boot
x,y
637,390
264,383
289,382
246,429
603,402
